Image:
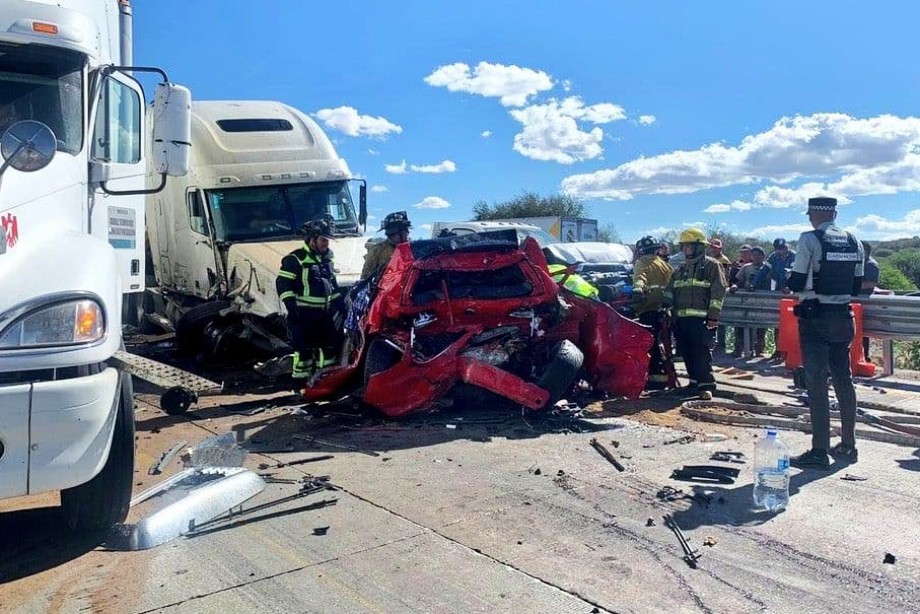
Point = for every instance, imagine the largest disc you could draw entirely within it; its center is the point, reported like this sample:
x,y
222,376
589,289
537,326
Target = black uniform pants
x,y
658,368
693,342
314,336
825,343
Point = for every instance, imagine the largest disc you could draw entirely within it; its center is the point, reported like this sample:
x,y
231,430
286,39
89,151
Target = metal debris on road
x,y
681,440
316,441
165,458
650,522
710,541
890,559
691,556
728,457
669,493
706,473
849,477
302,461
320,530
610,458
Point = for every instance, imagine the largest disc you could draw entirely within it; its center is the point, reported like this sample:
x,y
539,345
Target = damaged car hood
x,y
253,267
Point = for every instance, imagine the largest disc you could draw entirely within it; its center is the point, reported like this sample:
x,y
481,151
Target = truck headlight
x,y
66,323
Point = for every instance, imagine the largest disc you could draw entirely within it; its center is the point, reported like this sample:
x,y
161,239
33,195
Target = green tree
x,y
530,204
609,233
908,262
891,278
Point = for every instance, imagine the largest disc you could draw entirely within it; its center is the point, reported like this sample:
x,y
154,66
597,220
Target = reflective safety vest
x,y
308,278
697,289
574,283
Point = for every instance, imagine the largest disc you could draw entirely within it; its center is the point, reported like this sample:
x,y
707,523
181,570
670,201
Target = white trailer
x,y
259,170
71,208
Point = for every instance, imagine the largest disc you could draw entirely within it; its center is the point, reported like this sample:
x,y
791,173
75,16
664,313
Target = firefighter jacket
x,y
574,283
307,278
651,275
697,289
376,259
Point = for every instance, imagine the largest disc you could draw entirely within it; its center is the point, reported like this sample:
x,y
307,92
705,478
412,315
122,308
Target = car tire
x,y
380,357
190,327
104,501
563,366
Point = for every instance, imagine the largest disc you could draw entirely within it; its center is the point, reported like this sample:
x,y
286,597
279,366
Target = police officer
x,y
396,226
696,292
308,288
827,273
651,275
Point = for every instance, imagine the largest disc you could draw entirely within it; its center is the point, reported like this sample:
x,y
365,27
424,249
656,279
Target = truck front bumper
x,y
55,434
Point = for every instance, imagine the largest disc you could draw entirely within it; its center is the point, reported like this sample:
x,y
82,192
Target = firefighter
x,y
651,275
396,226
308,288
695,294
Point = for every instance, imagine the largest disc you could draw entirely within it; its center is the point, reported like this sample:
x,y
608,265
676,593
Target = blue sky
x,y
657,114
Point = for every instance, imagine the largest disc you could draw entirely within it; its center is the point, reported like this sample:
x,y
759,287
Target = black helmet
x,y
647,245
323,226
396,222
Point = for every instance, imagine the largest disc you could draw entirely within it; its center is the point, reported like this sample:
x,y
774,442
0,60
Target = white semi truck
x,y
259,170
73,175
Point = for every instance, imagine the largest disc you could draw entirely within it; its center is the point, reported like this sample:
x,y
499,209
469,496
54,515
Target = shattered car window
x,y
508,282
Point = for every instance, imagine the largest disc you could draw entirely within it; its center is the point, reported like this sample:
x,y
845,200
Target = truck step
x,y
164,376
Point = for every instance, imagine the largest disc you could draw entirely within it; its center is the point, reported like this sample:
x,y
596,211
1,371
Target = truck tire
x,y
190,327
563,366
380,357
104,501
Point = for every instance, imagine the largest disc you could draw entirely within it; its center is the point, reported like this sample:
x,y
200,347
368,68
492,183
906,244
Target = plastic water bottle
x,y
771,473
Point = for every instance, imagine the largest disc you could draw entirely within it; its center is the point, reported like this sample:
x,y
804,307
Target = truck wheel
x,y
176,401
560,372
104,501
380,357
190,327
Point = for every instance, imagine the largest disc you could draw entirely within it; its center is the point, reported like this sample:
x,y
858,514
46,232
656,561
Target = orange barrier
x,y
788,339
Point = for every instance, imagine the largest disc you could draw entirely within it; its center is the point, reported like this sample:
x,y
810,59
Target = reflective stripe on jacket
x,y
308,278
697,289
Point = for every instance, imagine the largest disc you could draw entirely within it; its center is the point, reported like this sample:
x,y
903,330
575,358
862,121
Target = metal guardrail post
x,y
887,357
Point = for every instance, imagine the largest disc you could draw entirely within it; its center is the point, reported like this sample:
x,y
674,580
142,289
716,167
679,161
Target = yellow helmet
x,y
692,235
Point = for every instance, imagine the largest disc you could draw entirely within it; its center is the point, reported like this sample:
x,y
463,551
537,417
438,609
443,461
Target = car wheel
x,y
104,501
561,370
190,327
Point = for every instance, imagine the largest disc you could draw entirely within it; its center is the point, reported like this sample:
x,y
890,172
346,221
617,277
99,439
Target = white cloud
x,y
373,152
486,134
347,121
396,169
379,189
735,205
447,166
879,228
647,120
551,131
426,228
432,202
567,85
787,231
870,156
512,84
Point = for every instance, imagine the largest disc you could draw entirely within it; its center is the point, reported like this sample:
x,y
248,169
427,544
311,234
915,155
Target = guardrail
x,y
884,317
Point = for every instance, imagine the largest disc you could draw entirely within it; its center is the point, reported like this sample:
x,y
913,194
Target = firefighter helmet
x,y
323,226
692,235
396,222
647,245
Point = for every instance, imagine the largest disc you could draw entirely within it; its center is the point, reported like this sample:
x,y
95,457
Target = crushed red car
x,y
478,317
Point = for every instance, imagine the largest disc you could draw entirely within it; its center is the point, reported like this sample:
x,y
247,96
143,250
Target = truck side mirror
x,y
362,203
27,146
172,129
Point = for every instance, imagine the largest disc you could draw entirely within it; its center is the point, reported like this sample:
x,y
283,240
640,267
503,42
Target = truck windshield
x,y
274,212
43,84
